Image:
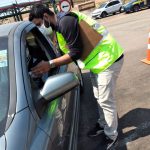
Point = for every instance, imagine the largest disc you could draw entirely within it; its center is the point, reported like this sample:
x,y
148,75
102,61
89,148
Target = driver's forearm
x,y
63,60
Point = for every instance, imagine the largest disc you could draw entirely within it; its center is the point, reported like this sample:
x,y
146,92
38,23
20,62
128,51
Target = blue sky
x,y
8,2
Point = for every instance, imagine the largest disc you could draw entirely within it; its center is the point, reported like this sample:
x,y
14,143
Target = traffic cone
x,y
147,59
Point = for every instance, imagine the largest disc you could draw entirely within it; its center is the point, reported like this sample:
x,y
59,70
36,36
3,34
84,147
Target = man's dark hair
x,y
38,11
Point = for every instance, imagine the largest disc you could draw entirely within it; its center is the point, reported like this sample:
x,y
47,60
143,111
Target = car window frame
x,y
4,121
55,103
108,5
104,6
116,2
26,76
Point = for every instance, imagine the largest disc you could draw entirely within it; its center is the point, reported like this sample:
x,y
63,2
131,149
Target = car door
x,y
56,120
141,3
110,7
116,6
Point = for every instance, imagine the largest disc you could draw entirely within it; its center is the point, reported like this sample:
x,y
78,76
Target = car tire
x,y
136,8
120,10
127,12
99,16
114,13
104,14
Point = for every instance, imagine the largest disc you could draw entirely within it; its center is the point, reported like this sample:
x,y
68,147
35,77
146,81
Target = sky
x,y
8,2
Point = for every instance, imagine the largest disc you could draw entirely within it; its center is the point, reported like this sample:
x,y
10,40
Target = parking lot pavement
x,y
88,116
133,86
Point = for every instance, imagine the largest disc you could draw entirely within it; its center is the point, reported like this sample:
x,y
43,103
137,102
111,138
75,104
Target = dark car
x,y
36,113
136,5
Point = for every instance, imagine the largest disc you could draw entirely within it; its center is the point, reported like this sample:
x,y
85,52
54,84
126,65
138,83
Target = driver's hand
x,y
41,68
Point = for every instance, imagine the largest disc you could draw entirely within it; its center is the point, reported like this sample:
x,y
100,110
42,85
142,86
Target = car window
x,y
102,5
38,49
34,52
110,4
116,2
4,80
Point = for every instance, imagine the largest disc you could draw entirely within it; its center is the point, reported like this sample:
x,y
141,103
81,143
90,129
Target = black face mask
x,y
47,24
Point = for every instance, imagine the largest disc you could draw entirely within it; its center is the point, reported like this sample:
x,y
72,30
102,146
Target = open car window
x,y
38,49
34,51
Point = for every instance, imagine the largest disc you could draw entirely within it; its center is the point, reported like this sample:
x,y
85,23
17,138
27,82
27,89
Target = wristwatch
x,y
51,63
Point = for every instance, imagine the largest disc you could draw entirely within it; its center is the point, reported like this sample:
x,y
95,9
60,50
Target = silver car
x,y
36,113
107,8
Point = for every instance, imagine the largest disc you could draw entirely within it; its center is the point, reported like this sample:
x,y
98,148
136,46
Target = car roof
x,y
6,28
107,2
113,1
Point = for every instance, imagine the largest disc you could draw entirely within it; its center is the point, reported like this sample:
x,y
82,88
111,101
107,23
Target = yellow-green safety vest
x,y
103,55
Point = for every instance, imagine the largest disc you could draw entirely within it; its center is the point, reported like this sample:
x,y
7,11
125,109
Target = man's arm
x,y
44,66
70,30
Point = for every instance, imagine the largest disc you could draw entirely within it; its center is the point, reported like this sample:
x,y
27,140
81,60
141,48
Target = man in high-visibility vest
x,y
104,62
47,32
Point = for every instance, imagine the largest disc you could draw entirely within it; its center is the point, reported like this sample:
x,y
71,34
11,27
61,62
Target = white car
x,y
110,7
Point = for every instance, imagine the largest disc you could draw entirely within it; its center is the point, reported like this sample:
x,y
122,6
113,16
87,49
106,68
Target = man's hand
x,y
41,68
44,66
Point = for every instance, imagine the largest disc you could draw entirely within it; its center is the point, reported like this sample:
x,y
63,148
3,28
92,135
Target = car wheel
x,y
104,14
121,9
114,13
127,12
136,8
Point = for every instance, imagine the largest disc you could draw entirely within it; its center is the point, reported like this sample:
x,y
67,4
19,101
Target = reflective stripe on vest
x,y
103,55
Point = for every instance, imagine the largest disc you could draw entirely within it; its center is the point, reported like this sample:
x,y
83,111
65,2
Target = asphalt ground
x,y
133,87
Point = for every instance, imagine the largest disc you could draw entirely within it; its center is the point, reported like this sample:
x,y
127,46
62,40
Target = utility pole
x,y
54,6
72,4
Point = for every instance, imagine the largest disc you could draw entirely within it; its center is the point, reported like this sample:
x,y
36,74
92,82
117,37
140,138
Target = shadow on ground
x,y
133,125
88,116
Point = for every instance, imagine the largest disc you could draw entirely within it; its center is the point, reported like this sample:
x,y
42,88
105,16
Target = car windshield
x,y
102,5
4,82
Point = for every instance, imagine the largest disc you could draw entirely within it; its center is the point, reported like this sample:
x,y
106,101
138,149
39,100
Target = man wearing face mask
x,y
104,62
47,32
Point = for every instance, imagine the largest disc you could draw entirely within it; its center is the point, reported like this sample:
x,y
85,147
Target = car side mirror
x,y
57,85
54,87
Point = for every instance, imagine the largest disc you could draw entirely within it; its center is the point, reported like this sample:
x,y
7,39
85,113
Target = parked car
x,y
36,113
107,8
136,5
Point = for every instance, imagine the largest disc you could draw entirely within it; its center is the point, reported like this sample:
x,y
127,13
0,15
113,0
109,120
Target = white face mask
x,y
45,31
42,29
